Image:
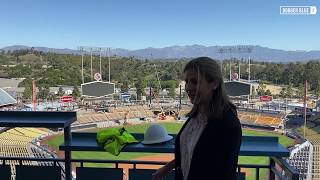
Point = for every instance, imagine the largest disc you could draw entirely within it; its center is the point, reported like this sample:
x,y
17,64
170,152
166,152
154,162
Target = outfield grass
x,y
172,128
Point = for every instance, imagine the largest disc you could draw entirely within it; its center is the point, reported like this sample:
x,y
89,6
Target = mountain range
x,y
257,53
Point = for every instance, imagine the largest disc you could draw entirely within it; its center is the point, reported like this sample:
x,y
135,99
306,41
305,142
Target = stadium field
x,y
171,128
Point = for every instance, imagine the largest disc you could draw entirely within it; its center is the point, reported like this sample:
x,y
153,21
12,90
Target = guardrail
x,y
278,167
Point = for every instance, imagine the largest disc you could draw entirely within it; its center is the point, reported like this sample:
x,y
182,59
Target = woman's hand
x,y
160,173
163,171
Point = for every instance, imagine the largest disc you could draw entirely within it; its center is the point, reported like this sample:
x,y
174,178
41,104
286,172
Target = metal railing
x,y
277,167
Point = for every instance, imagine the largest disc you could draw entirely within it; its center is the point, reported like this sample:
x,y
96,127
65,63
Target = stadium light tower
x,y
100,62
82,53
305,107
91,63
93,50
238,49
109,61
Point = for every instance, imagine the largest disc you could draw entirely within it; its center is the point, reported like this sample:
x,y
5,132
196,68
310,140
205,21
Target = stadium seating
x,y
118,113
262,119
299,158
16,142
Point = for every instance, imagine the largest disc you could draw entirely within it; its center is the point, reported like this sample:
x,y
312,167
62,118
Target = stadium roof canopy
x,y
6,99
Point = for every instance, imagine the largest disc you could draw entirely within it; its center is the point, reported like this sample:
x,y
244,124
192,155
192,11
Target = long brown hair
x,y
209,69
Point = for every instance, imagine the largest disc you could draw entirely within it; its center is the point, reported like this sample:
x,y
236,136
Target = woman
x,y
207,146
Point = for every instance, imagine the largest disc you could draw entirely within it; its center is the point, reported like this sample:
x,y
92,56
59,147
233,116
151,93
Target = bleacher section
x,y
301,159
16,142
114,114
306,158
249,118
261,119
315,141
36,152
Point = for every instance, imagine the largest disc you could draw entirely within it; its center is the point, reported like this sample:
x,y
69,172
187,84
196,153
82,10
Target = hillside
x,y
258,53
52,69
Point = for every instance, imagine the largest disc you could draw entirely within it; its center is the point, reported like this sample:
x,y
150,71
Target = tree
x,y
154,89
289,91
27,93
317,89
44,92
291,74
253,92
125,86
133,97
116,97
273,72
51,96
60,91
75,92
172,92
312,73
268,92
300,91
261,90
283,93
139,88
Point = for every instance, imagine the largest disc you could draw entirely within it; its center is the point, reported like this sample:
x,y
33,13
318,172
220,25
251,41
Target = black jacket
x,y
215,155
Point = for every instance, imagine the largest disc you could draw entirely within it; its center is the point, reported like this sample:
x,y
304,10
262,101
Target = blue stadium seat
x,y
146,174
5,172
86,173
38,172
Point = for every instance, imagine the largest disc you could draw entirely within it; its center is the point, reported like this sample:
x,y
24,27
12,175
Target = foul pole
x,y
91,63
82,53
305,107
109,61
100,63
249,71
34,95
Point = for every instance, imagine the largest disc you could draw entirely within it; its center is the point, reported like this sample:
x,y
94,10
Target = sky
x,y
137,24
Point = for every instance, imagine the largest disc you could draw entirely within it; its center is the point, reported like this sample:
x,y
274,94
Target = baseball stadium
x,y
67,148
159,90
58,140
